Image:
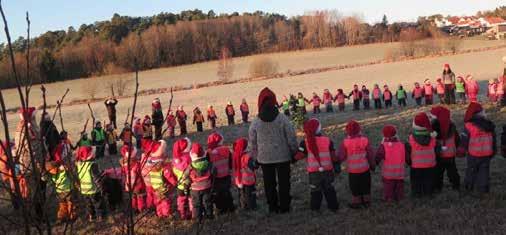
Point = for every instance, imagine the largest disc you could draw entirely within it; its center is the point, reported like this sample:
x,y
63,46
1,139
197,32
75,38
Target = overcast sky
x,y
60,14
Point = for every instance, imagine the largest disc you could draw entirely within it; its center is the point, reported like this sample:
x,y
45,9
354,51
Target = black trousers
x,y
320,184
402,102
212,122
377,103
100,149
158,132
422,181
200,127
222,196
287,112
113,149
448,165
449,94
478,173
245,117
248,197
388,103
356,104
230,119
341,107
418,101
428,100
360,183
112,120
182,127
202,204
329,108
316,109
366,103
94,205
277,186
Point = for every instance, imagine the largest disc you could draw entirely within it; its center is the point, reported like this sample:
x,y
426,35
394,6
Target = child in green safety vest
x,y
89,175
98,139
460,88
285,106
301,102
401,96
62,185
112,138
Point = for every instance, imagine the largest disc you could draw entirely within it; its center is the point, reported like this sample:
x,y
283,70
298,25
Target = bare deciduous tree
x,y
263,66
225,65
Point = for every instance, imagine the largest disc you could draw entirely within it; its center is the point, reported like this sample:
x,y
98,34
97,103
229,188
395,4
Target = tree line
x,y
167,39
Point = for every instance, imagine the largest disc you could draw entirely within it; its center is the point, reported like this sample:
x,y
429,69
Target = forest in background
x,y
167,39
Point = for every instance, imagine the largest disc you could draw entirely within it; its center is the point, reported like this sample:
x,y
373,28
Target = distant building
x,y
494,27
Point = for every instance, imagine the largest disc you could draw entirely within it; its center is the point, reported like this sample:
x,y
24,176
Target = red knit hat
x,y
240,146
266,97
442,114
28,112
85,153
447,65
389,131
311,128
352,128
472,109
214,140
197,152
422,122
181,147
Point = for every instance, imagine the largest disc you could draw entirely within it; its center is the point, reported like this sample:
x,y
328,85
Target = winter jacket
x,y
422,138
342,155
157,117
110,104
483,124
198,117
50,134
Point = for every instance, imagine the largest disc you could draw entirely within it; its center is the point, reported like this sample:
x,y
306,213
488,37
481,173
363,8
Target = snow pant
x,y
277,186
112,149
316,109
286,112
388,103
401,102
202,204
150,197
230,120
112,120
320,184
248,197
100,149
341,107
360,186
184,205
356,104
66,210
244,116
428,100
94,205
222,196
478,173
212,123
138,141
158,132
200,127
449,94
393,189
422,181
462,97
442,99
182,127
377,103
366,103
448,165
418,101
162,204
329,108
172,131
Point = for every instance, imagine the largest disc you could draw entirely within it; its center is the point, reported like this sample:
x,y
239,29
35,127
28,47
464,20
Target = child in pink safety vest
x,y
366,97
221,158
387,97
376,96
132,178
340,99
201,177
356,95
180,168
428,91
327,100
440,90
492,90
417,94
244,175
472,88
421,151
393,154
356,152
316,101
320,162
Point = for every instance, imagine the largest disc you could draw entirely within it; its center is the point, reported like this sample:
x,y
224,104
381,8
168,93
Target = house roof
x,y
495,20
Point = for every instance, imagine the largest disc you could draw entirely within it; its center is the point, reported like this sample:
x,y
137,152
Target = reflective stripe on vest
x,y
356,153
448,148
61,182
85,178
325,162
202,182
480,142
428,89
422,156
220,158
393,165
156,178
179,175
376,93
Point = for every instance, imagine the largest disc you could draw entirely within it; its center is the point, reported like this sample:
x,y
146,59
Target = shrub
x,y
263,66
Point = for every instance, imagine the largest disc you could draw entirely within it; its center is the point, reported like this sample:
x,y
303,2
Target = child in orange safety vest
x,y
320,161
357,153
393,154
221,158
428,92
479,141
244,175
201,182
421,151
448,138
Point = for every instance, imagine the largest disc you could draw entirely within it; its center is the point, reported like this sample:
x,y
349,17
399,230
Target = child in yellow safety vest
x,y
479,141
61,181
244,175
357,153
162,181
393,154
89,175
321,162
421,151
201,177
